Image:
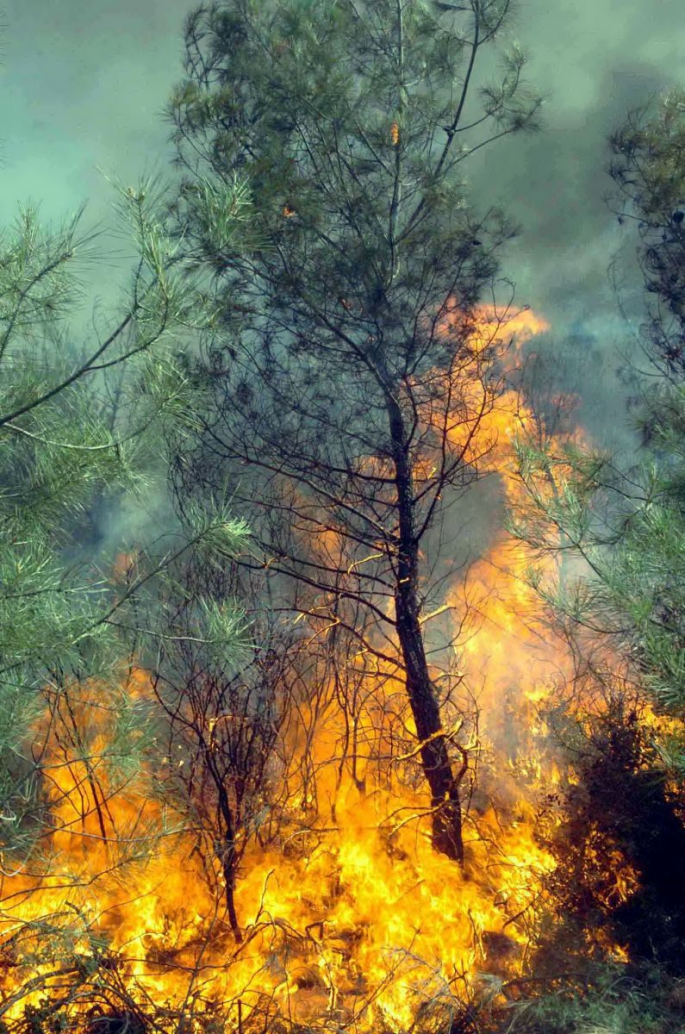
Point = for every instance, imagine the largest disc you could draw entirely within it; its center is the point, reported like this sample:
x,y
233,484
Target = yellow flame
x,y
349,915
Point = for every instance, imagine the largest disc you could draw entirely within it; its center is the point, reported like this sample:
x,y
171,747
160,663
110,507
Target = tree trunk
x,y
435,761
227,855
229,878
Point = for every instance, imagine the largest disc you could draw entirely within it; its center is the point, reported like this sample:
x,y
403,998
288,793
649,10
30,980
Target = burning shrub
x,y
620,848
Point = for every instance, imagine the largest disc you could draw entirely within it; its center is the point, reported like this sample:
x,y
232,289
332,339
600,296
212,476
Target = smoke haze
x,y
85,83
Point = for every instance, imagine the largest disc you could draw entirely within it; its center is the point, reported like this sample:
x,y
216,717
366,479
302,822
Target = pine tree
x,y
344,395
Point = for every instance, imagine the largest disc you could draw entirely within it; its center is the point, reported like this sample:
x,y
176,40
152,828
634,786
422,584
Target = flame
x,y
349,917
355,922
124,565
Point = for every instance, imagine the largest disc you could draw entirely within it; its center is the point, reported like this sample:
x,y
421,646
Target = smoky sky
x,y
84,83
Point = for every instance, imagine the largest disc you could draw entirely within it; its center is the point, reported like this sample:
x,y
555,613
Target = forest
x,y
379,725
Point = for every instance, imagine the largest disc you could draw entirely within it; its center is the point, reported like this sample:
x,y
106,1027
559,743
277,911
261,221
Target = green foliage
x,y
650,160
649,171
301,100
609,1001
80,426
626,530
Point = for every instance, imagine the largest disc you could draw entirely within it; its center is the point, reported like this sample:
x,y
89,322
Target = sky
x,y
84,83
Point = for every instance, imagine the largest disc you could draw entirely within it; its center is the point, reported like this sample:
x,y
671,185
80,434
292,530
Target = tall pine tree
x,y
349,395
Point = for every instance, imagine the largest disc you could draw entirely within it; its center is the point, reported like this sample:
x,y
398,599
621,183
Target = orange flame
x,y
352,920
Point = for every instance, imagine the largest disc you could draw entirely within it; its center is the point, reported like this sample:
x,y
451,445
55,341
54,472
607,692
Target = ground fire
x,y
348,917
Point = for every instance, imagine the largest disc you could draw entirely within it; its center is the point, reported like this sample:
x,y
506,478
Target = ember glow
x,y
349,919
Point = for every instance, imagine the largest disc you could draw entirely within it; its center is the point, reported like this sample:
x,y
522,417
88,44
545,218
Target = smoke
x,y
573,263
85,86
